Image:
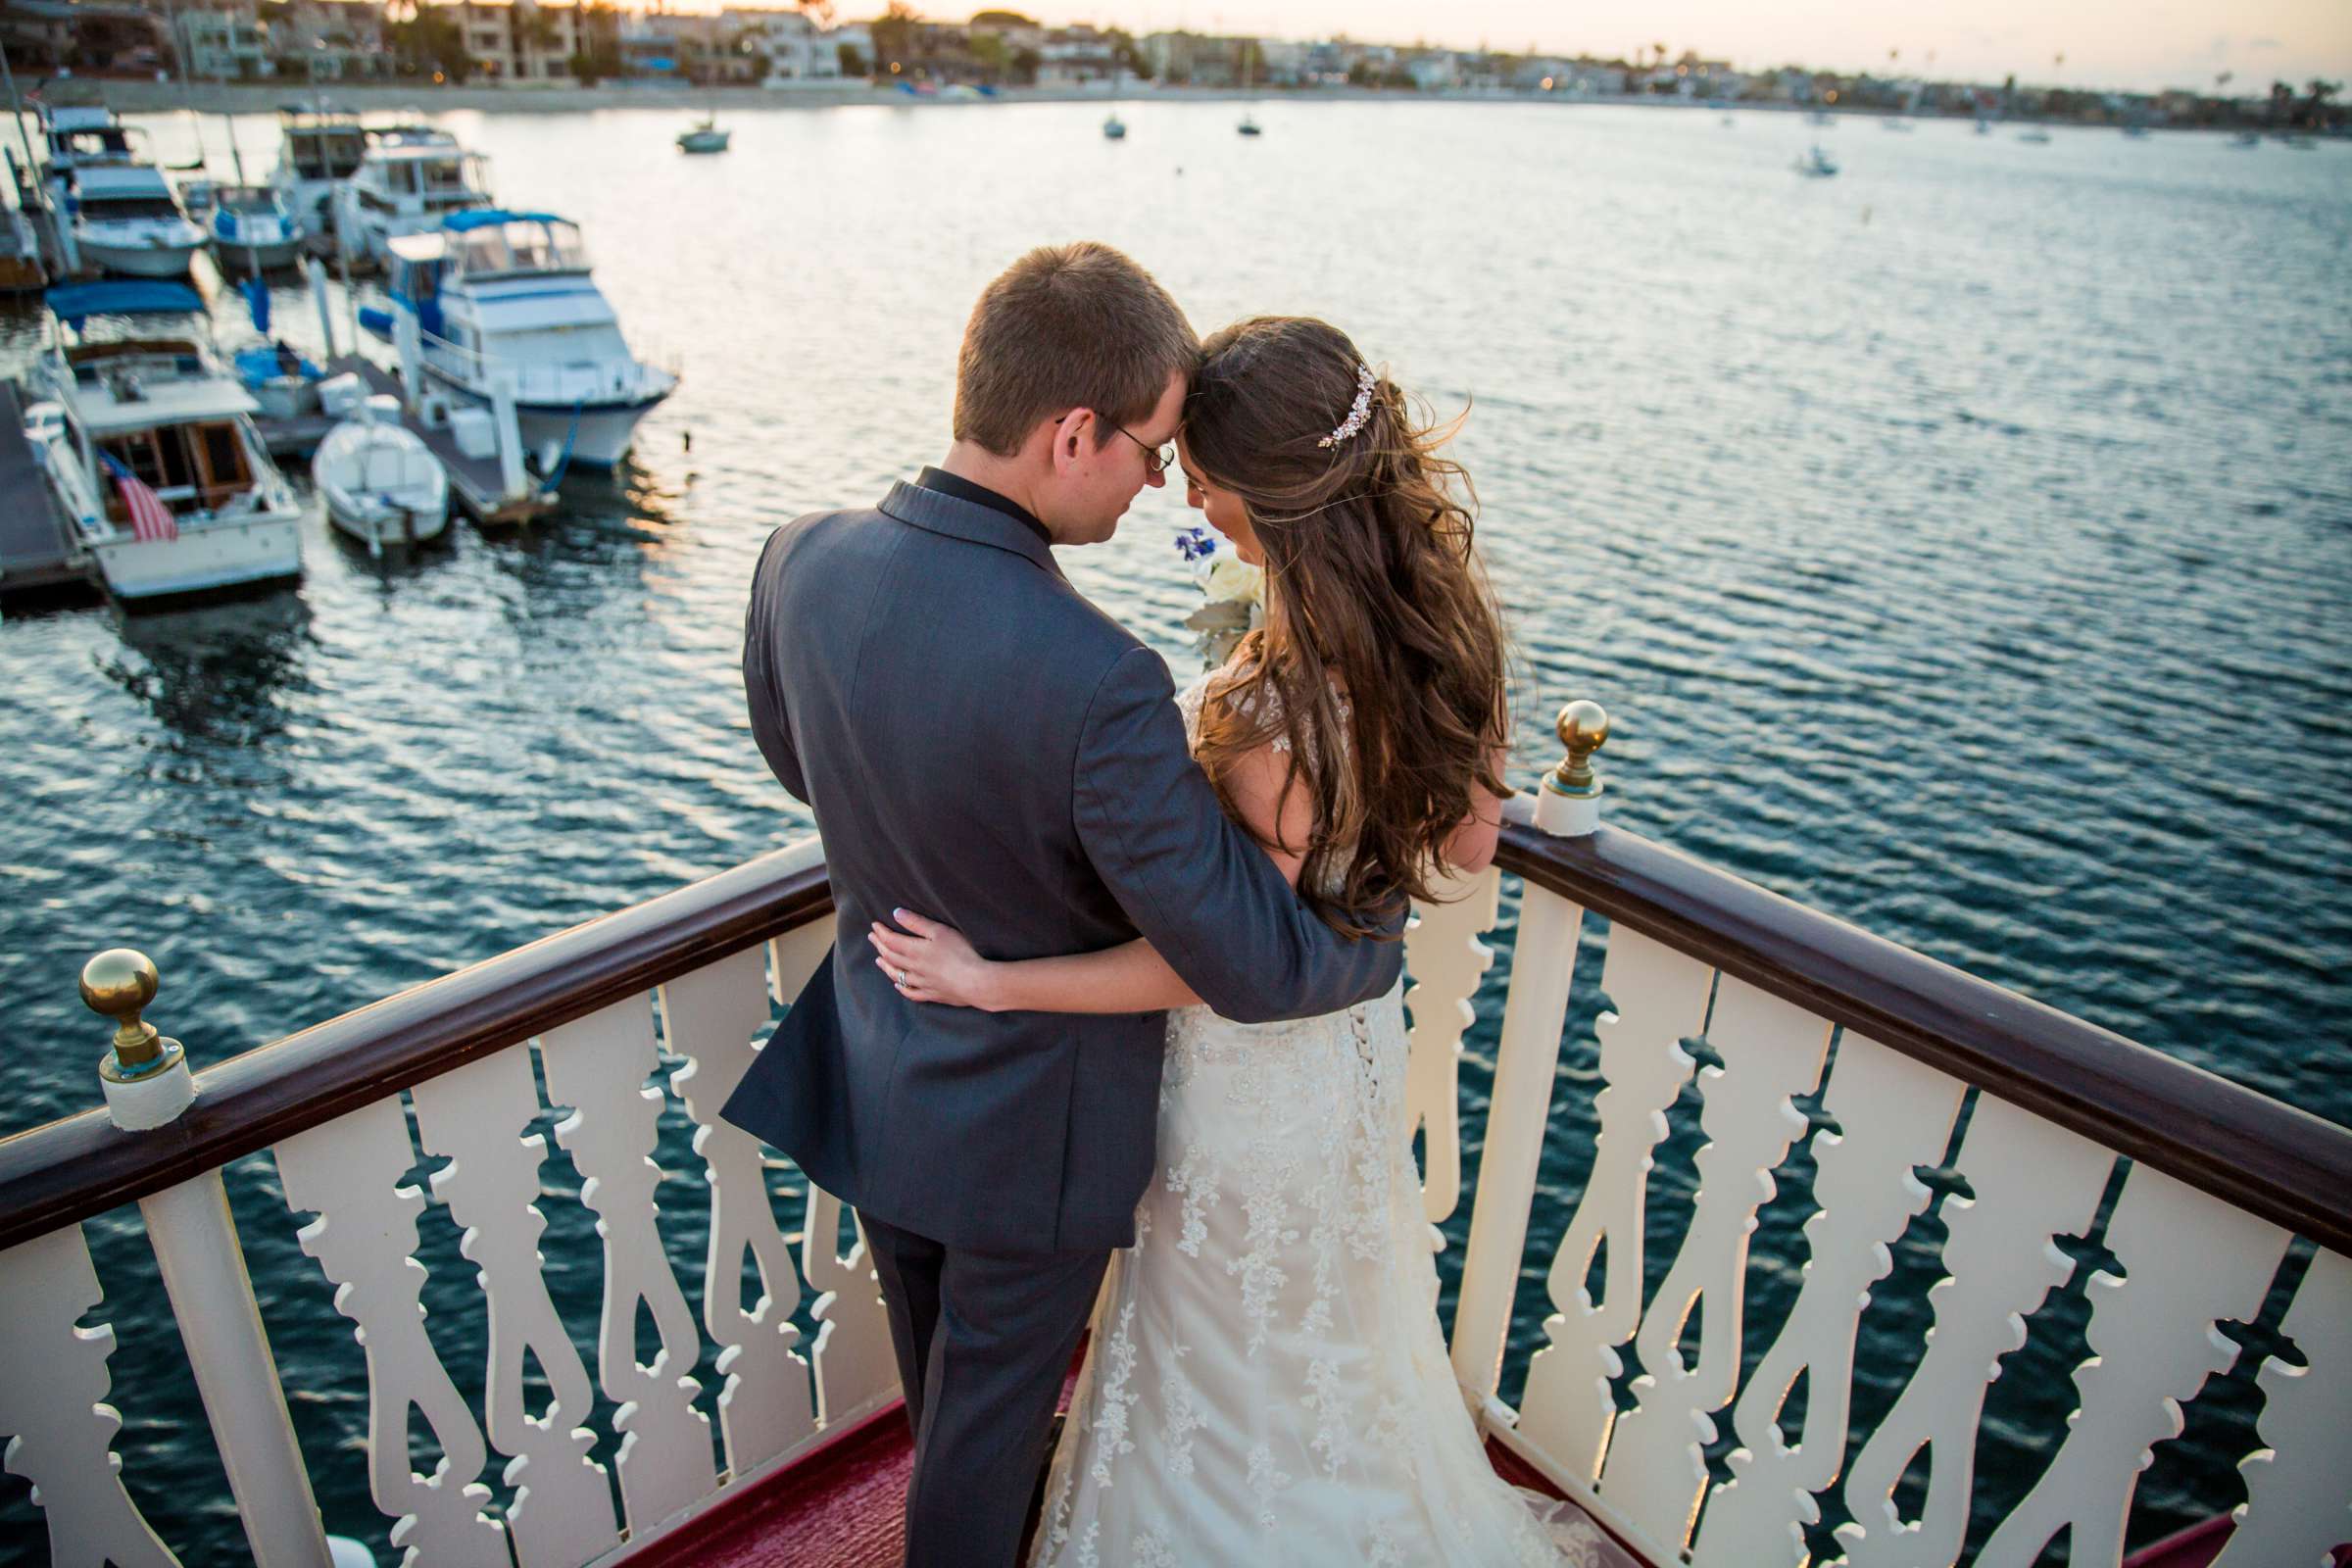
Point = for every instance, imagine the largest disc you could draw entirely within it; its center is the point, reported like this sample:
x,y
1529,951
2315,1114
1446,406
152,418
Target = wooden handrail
x,y
2278,1162
68,1170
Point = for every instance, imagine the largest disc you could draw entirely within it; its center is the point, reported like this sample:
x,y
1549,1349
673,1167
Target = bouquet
x,y
1236,593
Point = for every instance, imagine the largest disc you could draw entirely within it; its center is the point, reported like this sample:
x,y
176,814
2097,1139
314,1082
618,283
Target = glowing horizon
x,y
2106,43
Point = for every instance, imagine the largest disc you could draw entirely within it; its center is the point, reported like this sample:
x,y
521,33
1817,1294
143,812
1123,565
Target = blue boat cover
x,y
75,303
490,217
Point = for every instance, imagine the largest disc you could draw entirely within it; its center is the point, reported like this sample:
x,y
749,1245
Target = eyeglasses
x,y
1159,460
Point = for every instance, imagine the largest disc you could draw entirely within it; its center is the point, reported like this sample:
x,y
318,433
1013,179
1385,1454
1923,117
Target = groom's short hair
x,y
1067,326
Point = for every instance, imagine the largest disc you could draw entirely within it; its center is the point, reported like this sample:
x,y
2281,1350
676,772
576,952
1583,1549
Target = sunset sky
x,y
2108,43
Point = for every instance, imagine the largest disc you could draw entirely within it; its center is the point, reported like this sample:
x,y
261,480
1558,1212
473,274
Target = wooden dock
x,y
38,553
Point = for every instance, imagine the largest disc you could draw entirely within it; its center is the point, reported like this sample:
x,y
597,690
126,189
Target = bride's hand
x,y
932,962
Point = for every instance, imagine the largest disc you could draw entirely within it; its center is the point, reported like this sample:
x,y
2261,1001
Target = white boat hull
x,y
605,438
241,254
206,557
377,525
605,434
137,259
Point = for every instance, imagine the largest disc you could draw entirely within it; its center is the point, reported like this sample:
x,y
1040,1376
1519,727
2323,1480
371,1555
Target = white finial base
x,y
152,1100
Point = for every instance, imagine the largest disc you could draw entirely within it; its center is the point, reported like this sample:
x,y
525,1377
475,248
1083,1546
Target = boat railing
x,y
1868,1078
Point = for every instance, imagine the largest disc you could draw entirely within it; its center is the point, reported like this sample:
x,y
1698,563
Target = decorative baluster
x,y
2298,1505
856,1369
1661,1000
563,1512
53,1386
1772,1050
147,1084
599,1065
1525,1063
1443,949
345,1172
2034,1182
767,1406
2190,1261
1895,1114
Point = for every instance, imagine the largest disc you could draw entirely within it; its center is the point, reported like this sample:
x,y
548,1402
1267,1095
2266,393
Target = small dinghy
x,y
382,484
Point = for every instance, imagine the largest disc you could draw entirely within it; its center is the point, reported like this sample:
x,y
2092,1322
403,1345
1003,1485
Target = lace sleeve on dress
x,y
1266,698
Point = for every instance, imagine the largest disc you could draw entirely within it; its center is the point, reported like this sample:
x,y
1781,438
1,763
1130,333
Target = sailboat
x,y
1249,126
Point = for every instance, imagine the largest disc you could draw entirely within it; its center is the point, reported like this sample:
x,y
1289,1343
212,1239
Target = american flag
x,y
149,519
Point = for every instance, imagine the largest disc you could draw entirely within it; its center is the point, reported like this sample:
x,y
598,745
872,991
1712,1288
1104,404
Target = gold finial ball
x,y
119,983
1583,726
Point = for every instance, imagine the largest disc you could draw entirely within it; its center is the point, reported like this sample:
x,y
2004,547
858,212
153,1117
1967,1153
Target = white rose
x,y
1234,580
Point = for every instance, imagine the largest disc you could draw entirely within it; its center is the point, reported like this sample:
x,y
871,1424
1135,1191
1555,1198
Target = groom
x,y
982,745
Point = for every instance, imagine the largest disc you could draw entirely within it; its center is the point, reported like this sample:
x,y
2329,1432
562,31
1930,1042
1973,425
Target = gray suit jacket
x,y
982,745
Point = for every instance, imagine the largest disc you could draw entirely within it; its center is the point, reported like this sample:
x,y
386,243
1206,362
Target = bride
x,y
1267,1381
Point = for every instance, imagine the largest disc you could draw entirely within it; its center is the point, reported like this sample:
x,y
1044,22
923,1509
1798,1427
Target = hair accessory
x,y
1360,412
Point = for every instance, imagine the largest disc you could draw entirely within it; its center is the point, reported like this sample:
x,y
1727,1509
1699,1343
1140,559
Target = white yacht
x,y
317,147
505,294
118,422
123,216
411,179
128,219
253,225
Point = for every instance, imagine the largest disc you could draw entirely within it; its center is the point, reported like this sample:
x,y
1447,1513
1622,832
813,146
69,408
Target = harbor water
x,y
1961,545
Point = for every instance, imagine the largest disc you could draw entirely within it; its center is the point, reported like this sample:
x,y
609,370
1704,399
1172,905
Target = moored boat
x,y
706,135
507,297
381,484
127,221
1113,127
411,179
253,227
150,448
1814,164
319,146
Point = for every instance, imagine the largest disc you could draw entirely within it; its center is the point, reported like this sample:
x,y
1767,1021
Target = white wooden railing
x,y
1634,1452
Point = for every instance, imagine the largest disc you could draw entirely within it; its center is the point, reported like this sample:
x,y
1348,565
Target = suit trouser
x,y
983,1343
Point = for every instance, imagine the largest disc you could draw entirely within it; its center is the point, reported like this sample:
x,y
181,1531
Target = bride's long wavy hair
x,y
1373,590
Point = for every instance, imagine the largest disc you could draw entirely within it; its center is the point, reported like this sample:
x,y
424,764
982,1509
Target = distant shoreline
x,y
128,95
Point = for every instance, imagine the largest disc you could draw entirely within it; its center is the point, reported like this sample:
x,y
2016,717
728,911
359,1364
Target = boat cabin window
x,y
191,467
523,247
115,209
325,154
258,199
89,146
443,175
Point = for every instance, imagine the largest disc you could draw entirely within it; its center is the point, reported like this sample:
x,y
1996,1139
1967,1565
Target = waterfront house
x,y
337,40
226,45
797,50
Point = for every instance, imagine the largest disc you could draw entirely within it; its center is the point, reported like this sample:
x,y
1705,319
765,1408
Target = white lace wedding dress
x,y
1267,1382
